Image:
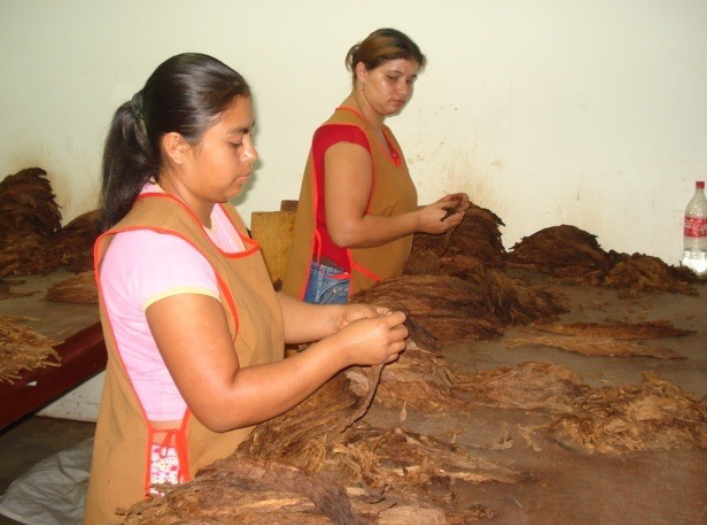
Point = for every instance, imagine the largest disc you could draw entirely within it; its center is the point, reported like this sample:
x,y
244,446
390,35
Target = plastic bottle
x,y
695,235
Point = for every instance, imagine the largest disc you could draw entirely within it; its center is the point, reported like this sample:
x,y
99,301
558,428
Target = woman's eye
x,y
236,145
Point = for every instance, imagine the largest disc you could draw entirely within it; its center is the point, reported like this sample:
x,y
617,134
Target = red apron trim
x,y
365,271
395,159
182,449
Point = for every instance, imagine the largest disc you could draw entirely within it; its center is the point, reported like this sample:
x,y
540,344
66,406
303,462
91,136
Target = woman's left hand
x,y
355,312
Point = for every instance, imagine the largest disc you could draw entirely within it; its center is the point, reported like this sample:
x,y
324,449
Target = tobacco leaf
x,y
594,346
572,255
22,349
615,420
80,288
617,330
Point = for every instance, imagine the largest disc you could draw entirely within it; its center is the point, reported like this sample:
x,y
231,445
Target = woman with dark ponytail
x,y
194,330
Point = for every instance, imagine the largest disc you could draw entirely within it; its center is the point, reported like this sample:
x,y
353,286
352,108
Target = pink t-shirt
x,y
140,268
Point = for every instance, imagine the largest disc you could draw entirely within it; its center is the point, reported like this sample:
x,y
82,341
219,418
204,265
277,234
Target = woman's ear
x,y
175,147
361,72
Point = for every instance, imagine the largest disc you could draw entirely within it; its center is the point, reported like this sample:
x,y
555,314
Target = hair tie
x,y
136,106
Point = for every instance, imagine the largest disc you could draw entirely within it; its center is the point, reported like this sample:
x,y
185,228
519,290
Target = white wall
x,y
547,112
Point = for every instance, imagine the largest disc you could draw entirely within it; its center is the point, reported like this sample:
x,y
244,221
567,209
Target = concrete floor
x,y
33,439
656,488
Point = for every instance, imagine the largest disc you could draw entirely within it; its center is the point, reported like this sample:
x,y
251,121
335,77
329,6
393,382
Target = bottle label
x,y
695,226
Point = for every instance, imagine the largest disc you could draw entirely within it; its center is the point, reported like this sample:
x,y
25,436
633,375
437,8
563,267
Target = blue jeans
x,y
324,288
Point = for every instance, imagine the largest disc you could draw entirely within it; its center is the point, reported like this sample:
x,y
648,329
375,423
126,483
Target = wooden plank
x,y
273,230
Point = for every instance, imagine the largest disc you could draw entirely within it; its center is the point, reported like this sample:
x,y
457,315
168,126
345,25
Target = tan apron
x,y
393,193
120,467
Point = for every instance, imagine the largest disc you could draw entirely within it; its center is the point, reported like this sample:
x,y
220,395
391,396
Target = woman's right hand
x,y
373,341
432,217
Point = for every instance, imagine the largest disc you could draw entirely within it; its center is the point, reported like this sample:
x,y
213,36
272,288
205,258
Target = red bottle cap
x,y
700,184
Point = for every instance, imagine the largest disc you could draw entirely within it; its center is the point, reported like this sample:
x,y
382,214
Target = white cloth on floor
x,y
53,492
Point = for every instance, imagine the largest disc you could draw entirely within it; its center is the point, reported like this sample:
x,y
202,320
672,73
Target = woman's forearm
x,y
371,231
261,392
306,322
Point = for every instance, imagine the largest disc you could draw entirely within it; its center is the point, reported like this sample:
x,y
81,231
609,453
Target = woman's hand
x,y
372,341
355,312
444,214
440,216
458,201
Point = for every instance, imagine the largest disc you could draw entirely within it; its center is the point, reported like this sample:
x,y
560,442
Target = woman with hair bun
x,y
195,332
358,209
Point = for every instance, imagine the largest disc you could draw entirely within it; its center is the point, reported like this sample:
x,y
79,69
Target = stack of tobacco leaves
x,y
603,339
531,386
22,255
245,491
387,475
454,287
77,239
27,204
30,224
652,415
574,256
423,381
418,380
477,237
264,492
637,273
453,309
562,251
81,288
318,436
23,349
514,301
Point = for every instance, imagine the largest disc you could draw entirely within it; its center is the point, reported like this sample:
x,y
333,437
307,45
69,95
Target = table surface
x,y
76,329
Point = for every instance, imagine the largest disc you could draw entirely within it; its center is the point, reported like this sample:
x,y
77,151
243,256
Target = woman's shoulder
x,y
141,265
336,132
146,243
345,125
147,253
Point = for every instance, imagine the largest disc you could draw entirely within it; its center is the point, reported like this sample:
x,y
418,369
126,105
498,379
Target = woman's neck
x,y
358,101
174,187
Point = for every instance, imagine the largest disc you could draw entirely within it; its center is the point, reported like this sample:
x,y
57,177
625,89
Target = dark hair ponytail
x,y
128,164
185,94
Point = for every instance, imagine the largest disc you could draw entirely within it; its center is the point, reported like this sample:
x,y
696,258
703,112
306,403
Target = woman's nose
x,y
405,89
250,154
